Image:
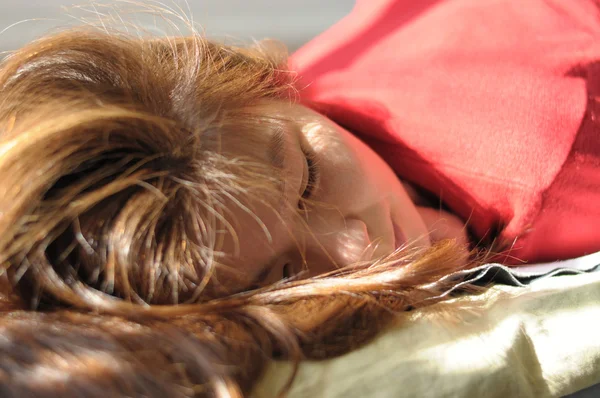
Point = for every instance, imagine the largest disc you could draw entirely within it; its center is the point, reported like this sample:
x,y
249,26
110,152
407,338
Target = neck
x,y
441,223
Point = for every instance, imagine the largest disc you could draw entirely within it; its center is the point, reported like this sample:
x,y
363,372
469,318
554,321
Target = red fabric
x,y
484,103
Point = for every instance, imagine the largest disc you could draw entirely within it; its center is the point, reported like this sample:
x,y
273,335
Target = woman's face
x,y
354,207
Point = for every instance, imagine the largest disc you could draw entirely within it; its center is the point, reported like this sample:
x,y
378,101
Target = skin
x,y
358,209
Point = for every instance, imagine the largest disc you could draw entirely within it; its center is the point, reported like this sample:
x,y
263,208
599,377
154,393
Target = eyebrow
x,y
276,155
276,148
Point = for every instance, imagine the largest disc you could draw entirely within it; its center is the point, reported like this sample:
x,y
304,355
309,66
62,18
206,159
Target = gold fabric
x,y
541,340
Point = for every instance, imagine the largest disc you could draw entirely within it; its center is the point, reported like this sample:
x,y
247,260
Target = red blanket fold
x,y
488,104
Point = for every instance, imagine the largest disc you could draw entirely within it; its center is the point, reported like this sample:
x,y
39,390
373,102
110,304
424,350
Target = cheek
x,y
352,175
253,240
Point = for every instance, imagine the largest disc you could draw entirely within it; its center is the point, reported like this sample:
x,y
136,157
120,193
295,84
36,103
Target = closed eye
x,y
312,179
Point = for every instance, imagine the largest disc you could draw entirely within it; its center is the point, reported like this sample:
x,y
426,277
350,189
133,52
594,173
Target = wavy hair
x,y
112,187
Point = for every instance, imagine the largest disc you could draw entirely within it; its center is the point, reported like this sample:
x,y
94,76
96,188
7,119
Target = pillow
x,y
532,341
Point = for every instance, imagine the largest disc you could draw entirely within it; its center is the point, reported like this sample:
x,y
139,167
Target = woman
x,y
149,187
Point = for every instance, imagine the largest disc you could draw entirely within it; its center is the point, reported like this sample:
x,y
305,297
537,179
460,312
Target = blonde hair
x,y
111,191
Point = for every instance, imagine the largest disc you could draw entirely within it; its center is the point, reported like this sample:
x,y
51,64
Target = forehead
x,y
264,134
256,217
258,132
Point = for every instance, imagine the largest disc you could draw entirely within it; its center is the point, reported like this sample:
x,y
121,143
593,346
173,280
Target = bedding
x,y
535,339
459,97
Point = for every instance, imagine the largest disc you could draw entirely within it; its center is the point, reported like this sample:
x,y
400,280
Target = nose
x,y
347,245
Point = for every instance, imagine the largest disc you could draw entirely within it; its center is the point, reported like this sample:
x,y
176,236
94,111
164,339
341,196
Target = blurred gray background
x,y
292,21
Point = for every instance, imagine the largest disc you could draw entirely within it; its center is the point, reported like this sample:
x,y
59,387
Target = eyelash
x,y
313,177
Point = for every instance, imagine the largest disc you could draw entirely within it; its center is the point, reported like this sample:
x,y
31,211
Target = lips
x,y
399,236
